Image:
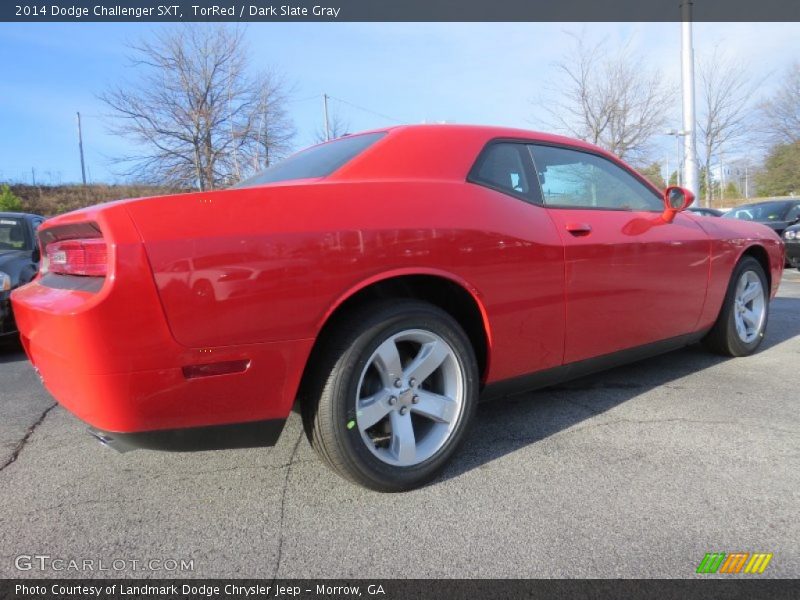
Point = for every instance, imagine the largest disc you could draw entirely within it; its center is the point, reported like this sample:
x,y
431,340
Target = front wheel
x,y
741,324
395,387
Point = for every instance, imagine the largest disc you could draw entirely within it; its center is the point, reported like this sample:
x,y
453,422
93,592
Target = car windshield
x,y
764,211
12,234
314,162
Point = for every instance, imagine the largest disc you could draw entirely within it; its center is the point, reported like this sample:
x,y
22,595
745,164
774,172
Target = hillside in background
x,y
54,200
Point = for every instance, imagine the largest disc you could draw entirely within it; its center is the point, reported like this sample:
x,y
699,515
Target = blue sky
x,y
491,73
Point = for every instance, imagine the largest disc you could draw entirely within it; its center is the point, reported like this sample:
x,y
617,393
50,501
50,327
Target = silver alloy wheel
x,y
410,397
750,307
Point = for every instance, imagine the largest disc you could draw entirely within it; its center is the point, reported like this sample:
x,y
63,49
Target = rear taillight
x,y
87,257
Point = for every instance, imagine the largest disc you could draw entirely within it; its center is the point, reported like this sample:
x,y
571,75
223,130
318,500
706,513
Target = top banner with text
x,y
397,10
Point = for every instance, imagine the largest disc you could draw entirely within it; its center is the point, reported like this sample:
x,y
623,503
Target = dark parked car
x,y
792,238
776,214
706,212
19,260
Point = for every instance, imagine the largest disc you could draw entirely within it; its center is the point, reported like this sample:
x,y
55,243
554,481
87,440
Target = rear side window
x,y
314,162
505,166
794,213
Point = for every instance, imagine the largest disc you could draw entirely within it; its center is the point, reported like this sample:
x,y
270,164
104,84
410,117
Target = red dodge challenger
x,y
381,283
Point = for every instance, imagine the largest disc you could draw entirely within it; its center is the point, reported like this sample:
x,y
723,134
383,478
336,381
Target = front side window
x,y
12,234
317,161
503,166
571,178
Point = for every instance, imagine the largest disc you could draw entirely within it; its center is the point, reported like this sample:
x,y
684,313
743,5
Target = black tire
x,y
723,337
328,401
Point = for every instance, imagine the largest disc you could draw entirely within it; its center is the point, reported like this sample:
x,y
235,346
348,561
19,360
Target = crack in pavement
x,y
21,444
283,505
189,474
73,503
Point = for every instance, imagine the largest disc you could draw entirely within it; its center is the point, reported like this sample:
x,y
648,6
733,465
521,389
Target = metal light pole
x,y
325,110
747,179
80,149
691,180
677,135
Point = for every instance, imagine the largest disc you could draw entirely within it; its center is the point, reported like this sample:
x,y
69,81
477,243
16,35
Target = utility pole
x,y
325,112
687,79
80,147
746,179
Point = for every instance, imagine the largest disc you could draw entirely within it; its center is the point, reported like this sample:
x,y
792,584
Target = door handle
x,y
579,229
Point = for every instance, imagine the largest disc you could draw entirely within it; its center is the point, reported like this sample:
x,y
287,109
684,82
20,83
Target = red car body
x,y
243,281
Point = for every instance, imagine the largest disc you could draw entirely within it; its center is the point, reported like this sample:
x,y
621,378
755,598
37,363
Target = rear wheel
x,y
395,388
742,322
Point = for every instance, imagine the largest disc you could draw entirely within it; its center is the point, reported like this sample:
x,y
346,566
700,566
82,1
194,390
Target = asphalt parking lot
x,y
636,472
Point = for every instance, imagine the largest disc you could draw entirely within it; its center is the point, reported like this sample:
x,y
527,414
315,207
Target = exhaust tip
x,y
107,440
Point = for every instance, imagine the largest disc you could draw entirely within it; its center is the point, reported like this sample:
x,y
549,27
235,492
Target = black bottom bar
x,y
253,434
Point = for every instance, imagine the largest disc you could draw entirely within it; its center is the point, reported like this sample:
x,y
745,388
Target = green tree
x,y
781,174
702,183
731,191
673,178
653,174
8,200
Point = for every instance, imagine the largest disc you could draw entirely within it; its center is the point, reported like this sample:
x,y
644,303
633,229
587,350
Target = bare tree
x,y
781,113
337,127
725,104
198,115
608,99
275,131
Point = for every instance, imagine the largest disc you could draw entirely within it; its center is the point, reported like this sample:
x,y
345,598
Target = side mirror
x,y
676,199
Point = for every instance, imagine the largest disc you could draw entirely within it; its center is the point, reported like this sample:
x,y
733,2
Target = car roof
x,y
769,201
18,215
489,132
441,151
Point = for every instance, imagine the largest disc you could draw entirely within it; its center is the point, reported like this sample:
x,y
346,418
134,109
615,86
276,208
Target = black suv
x,y
19,260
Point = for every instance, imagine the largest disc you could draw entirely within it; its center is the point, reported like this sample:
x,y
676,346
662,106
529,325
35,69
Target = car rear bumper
x,y
212,437
164,399
106,353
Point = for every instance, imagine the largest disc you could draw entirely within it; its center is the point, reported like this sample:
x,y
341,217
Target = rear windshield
x,y
317,161
765,211
12,234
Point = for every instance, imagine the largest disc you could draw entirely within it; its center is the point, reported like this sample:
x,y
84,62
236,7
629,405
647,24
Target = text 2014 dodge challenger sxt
x,y
382,282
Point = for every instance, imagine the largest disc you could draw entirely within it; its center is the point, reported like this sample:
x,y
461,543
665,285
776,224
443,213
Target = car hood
x,y
776,225
741,230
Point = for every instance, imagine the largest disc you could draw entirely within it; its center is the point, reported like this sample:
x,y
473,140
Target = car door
x,y
631,278
527,289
